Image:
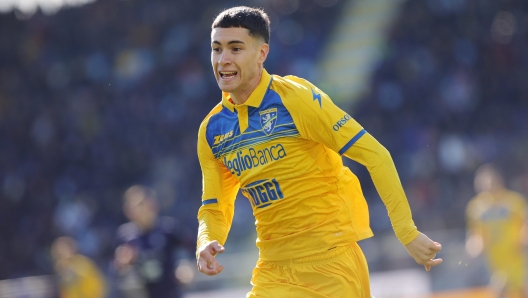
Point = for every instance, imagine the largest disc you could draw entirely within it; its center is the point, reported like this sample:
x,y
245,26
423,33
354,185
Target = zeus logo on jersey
x,y
221,138
263,192
251,158
341,122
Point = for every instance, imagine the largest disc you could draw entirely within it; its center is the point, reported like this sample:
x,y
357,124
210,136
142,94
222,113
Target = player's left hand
x,y
423,250
206,261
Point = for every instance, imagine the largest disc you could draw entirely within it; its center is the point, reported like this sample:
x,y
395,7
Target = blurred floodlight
x,y
26,8
452,153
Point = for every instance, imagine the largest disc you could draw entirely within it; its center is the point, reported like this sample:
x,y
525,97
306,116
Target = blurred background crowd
x,y
97,98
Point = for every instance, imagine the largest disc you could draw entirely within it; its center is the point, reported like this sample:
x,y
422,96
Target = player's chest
x,y
498,214
247,142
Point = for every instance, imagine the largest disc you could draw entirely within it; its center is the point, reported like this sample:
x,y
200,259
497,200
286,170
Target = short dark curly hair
x,y
254,19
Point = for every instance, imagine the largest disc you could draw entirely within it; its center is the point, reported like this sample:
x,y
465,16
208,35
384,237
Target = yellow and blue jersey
x,y
282,148
82,278
499,219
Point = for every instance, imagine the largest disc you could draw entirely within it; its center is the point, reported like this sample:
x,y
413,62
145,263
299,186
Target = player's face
x,y
62,249
141,210
488,180
237,60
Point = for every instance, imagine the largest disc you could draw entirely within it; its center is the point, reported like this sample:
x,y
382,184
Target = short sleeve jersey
x,y
282,148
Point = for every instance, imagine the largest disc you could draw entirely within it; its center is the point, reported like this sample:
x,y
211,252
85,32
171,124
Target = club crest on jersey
x,y
268,119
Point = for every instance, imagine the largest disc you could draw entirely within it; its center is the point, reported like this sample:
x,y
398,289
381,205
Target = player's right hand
x,y
206,262
125,255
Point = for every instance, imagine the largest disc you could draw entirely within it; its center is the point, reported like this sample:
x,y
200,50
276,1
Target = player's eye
x,y
236,49
216,49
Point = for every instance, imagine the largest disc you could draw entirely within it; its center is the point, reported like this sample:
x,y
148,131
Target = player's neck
x,y
243,95
146,225
496,191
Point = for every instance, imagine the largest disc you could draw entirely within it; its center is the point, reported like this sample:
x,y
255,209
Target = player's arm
x,y
125,253
367,151
216,213
320,120
474,232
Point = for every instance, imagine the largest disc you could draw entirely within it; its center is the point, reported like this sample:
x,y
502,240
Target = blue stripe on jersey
x,y
224,122
210,201
252,136
351,142
254,141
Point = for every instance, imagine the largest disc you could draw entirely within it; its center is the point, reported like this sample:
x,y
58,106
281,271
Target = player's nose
x,y
225,58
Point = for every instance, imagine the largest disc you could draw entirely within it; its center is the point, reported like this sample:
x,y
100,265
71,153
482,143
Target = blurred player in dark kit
x,y
146,256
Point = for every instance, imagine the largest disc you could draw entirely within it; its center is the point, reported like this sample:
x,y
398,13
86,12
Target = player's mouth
x,y
226,75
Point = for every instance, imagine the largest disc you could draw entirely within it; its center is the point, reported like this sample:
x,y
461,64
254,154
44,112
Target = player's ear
x,y
263,52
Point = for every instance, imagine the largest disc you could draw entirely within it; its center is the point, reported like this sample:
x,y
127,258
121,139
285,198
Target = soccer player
x,y
78,275
496,224
280,140
145,258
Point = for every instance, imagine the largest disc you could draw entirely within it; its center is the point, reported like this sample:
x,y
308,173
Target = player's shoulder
x,y
478,205
293,87
128,231
83,262
292,81
217,109
515,197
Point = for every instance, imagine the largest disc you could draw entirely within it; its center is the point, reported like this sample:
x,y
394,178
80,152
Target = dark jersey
x,y
156,248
